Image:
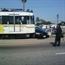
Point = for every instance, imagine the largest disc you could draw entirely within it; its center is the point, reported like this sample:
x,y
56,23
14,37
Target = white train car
x,y
15,24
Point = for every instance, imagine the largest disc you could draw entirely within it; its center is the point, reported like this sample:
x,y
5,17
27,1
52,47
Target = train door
x,y
18,23
7,21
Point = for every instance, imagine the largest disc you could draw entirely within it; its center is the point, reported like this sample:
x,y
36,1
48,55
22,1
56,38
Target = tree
x,y
43,22
48,22
37,19
38,24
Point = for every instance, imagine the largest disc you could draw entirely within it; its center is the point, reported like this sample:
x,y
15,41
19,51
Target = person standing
x,y
58,32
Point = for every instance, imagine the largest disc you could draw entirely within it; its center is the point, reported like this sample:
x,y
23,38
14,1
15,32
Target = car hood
x,y
39,30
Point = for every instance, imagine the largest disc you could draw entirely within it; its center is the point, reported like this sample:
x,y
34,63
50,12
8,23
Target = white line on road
x,y
63,53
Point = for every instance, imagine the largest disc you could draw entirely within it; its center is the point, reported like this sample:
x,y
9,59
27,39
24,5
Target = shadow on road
x,y
34,46
26,46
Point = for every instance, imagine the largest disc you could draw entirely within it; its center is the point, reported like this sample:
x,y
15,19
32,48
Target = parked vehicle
x,y
40,33
50,30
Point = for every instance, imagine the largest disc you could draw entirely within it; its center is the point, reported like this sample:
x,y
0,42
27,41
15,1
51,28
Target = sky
x,y
44,9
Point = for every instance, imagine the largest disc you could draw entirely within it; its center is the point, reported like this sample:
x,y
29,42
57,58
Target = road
x,y
31,52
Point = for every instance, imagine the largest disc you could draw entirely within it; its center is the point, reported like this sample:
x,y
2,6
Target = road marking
x,y
63,53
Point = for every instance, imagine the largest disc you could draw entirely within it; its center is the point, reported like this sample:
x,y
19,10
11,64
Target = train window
x,y
11,21
0,20
32,19
25,20
17,20
20,19
6,19
28,20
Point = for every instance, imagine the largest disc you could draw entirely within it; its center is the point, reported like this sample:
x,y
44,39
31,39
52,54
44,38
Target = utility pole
x,y
57,18
24,1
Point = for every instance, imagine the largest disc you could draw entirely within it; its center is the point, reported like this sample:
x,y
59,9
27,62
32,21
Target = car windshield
x,y
39,29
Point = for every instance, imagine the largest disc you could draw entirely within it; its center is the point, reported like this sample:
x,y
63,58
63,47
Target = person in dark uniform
x,y
57,37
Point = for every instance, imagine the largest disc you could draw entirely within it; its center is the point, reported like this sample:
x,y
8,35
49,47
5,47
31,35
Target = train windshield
x,y
24,19
18,19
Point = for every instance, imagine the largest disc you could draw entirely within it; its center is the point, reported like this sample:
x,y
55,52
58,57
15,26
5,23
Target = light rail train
x,y
15,24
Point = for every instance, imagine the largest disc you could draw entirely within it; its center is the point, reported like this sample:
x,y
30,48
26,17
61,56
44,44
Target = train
x,y
15,23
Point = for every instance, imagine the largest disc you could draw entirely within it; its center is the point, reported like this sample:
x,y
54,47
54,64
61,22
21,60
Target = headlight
x,y
37,33
44,36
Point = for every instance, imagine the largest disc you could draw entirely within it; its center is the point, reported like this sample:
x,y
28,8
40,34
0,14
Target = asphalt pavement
x,y
27,41
31,52
42,54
